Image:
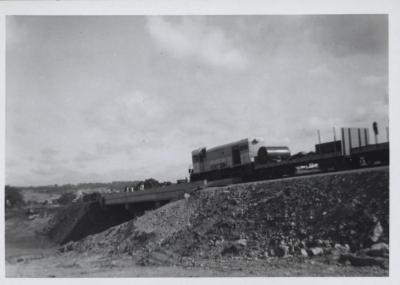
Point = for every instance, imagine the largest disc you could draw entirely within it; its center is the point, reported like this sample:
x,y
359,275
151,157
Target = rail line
x,y
178,191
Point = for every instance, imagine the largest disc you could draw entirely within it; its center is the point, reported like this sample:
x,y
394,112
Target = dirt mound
x,y
309,216
142,234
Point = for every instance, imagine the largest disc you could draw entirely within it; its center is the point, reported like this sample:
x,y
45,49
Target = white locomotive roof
x,y
242,141
197,151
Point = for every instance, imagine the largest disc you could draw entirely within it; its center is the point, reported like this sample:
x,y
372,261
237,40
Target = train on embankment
x,y
252,159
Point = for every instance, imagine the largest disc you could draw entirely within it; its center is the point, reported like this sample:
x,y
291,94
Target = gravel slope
x,y
327,215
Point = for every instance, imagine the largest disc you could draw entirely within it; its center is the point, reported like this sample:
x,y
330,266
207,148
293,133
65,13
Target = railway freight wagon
x,y
353,150
234,159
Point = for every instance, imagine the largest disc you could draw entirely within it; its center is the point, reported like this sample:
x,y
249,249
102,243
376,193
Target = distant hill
x,y
90,187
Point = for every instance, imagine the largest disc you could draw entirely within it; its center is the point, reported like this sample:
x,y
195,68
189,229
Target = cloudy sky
x,y
105,98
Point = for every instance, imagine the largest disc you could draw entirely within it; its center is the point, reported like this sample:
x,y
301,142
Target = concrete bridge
x,y
159,194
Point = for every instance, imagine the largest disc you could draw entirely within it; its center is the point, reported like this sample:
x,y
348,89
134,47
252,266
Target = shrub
x,y
66,198
151,183
13,197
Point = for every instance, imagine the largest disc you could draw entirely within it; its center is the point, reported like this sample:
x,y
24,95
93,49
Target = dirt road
x,y
51,264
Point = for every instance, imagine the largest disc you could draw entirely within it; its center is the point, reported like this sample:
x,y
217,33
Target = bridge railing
x,y
157,194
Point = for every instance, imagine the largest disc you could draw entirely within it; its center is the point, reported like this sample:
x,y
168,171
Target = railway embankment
x,y
341,217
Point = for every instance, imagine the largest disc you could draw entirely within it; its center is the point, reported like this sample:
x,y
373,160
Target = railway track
x,y
323,173
175,192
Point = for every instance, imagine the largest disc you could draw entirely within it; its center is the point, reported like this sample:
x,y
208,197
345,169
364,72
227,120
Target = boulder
x,y
357,260
242,242
282,251
303,252
315,251
376,232
378,249
231,248
341,248
380,246
271,252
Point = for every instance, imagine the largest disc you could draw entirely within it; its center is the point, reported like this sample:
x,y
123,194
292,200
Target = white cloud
x,y
191,38
132,110
320,71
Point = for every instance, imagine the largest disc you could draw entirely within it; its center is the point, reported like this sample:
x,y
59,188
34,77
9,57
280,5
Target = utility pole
x,y
319,137
387,133
334,134
375,128
334,139
319,141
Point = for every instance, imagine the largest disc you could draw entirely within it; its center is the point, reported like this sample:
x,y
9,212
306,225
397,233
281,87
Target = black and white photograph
x,y
205,145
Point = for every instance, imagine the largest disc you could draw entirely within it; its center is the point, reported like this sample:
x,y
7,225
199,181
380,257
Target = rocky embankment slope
x,y
341,216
